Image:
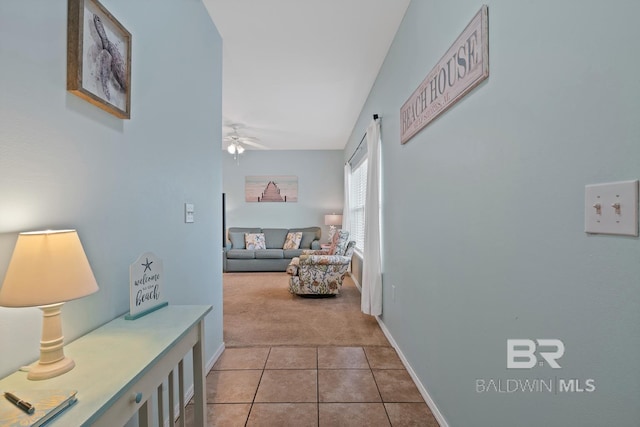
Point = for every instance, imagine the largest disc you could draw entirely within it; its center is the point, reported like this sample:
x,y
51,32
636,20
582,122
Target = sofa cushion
x,y
317,231
270,254
237,239
293,240
292,253
240,254
274,237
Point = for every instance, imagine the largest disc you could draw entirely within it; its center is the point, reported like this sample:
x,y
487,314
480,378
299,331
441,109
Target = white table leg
x,y
183,409
199,379
172,403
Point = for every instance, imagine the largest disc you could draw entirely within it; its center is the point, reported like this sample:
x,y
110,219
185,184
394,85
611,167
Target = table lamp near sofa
x,y
47,269
332,221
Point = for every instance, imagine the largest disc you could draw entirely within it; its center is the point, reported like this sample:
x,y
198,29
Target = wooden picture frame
x,y
98,57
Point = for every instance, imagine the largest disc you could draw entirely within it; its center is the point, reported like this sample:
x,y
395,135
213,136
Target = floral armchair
x,y
322,272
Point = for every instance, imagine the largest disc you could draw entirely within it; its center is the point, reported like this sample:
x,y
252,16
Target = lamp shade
x,y
333,219
47,267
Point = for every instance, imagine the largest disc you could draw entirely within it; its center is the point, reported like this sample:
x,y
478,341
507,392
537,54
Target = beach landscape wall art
x,y
279,189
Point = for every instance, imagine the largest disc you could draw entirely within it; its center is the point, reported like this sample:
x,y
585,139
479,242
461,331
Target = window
x,y
357,200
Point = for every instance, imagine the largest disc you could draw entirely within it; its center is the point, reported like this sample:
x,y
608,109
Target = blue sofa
x,y
238,258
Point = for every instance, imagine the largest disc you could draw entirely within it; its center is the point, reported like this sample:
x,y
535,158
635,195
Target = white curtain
x,y
371,302
346,211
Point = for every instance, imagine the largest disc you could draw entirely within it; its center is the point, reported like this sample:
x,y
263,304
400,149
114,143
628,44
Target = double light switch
x,y
188,212
612,208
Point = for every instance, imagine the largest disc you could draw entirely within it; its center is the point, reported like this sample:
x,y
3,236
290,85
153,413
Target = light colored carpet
x,y
260,311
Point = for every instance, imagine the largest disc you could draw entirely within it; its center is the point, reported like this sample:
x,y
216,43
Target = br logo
x,y
521,353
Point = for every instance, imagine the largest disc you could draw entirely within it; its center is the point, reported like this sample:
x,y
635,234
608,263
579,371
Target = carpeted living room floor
x,y
260,311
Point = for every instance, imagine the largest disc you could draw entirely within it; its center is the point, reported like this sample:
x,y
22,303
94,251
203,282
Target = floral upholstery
x,y
320,274
338,247
293,240
341,243
292,268
255,241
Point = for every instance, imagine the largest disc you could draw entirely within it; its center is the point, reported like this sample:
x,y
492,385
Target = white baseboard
x,y
215,358
355,281
423,390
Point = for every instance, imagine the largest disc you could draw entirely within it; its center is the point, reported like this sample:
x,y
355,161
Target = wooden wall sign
x,y
461,69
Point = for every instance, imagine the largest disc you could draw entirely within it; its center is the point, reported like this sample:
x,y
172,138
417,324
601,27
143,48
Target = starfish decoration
x,y
147,265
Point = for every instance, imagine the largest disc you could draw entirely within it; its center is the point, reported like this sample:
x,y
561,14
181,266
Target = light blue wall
x,y
320,188
484,210
121,183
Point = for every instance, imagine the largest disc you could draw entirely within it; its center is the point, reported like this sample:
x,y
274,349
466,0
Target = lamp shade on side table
x,y
47,269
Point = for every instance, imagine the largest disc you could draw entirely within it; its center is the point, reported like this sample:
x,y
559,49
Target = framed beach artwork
x,y
262,189
98,57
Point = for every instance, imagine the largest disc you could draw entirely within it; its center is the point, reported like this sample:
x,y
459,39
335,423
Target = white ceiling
x,y
296,73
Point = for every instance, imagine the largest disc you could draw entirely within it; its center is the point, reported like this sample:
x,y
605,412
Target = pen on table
x,y
22,404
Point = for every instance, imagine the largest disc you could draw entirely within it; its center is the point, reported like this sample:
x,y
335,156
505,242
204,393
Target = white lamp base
x,y
41,371
52,359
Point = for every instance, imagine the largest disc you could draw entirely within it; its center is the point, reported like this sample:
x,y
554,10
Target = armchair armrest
x,y
311,260
315,252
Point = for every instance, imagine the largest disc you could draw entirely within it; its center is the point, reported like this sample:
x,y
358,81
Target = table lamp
x,y
47,269
332,220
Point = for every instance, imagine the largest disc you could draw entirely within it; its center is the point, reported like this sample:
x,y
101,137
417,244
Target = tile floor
x,y
312,386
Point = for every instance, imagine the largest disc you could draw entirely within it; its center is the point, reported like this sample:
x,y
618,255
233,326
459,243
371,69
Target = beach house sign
x,y
462,68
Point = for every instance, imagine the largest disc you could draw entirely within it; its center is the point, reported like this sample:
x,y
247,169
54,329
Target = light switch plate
x,y
611,208
188,212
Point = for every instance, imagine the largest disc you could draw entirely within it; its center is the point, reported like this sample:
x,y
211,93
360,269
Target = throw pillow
x,y
293,240
255,241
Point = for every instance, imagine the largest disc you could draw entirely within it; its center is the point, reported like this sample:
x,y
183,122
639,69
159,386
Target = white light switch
x,y
611,208
188,212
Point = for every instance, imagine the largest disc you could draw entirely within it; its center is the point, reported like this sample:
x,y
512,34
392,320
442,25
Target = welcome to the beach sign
x,y
461,69
146,276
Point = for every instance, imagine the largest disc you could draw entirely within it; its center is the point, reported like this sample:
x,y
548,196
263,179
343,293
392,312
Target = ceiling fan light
x,y
231,149
240,149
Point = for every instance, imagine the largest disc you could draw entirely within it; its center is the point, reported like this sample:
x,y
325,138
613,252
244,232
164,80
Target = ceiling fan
x,y
237,141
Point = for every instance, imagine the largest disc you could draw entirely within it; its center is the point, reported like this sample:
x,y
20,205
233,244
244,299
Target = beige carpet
x,y
260,311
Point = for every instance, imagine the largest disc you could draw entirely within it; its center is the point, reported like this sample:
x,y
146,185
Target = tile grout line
x,y
318,386
258,387
370,360
377,387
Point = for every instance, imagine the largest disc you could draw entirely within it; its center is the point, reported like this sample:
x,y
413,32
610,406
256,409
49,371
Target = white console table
x,y
122,364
